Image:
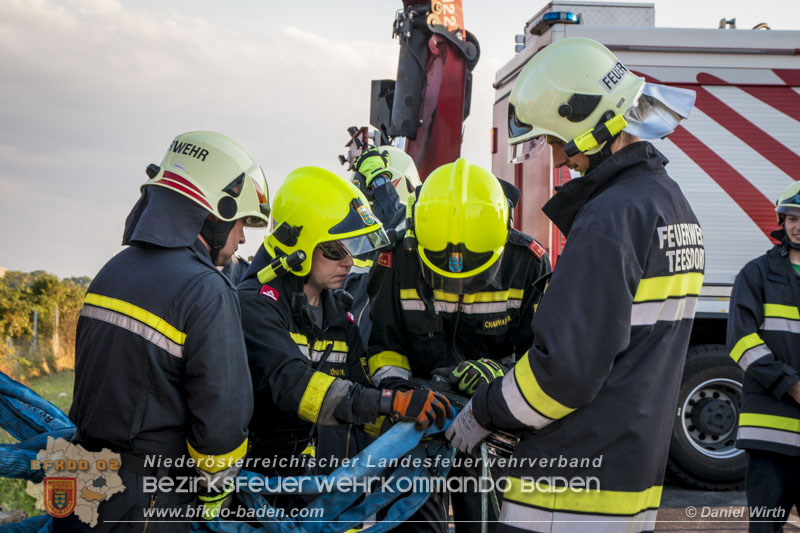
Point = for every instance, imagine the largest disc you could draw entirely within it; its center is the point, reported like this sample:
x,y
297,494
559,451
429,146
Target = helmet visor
x,y
786,205
479,282
354,246
516,127
526,150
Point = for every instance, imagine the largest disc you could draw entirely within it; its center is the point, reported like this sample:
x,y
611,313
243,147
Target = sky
x,y
92,91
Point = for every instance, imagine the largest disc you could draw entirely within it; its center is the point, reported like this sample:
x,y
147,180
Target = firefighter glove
x,y
423,407
214,500
372,164
465,433
469,375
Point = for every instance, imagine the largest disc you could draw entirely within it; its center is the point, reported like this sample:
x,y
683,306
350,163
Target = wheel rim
x,y
709,417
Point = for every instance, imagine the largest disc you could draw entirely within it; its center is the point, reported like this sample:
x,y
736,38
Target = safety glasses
x,y
333,250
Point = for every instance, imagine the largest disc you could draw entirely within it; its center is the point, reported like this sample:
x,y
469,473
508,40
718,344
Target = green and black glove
x,y
469,375
215,498
423,407
370,165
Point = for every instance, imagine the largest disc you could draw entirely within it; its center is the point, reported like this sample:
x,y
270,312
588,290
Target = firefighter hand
x,y
371,164
214,500
465,433
794,392
423,407
469,375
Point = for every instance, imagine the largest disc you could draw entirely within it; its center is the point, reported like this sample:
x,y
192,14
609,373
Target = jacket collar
x,y
565,205
778,259
200,250
163,218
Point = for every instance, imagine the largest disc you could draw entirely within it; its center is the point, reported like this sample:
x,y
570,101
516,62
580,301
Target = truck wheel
x,y
702,451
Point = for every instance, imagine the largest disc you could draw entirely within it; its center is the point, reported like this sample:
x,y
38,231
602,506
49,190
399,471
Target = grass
x,y
57,389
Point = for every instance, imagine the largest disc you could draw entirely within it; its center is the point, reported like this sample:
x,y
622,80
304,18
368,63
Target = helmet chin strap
x,y
785,240
605,152
216,235
789,244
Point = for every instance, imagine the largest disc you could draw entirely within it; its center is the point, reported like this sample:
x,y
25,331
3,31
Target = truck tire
x,y
702,452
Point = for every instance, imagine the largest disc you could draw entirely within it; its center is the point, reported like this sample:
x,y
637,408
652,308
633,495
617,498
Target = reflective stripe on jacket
x,y
417,329
764,340
599,386
293,387
160,358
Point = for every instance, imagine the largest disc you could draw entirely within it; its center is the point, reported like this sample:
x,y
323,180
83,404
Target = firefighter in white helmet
x,y
600,383
763,339
160,362
387,176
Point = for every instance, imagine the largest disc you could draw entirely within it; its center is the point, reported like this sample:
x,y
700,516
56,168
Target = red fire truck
x,y
737,152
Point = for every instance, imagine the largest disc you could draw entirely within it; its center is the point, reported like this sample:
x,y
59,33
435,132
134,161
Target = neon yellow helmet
x,y
314,206
217,173
789,202
461,225
405,176
565,91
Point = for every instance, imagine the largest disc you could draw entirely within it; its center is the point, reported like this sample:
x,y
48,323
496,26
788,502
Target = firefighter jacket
x,y
302,374
416,329
764,339
593,399
160,361
387,207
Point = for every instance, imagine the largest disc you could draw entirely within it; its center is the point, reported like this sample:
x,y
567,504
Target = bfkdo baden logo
x,y
75,480
60,495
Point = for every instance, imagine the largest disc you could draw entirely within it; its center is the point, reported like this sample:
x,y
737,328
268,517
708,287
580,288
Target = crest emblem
x,y
60,494
456,262
366,216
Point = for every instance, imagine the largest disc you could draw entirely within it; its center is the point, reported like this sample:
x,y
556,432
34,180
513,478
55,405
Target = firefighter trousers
x,y
772,487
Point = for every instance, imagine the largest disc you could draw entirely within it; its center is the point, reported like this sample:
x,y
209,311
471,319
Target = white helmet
x,y
217,173
405,176
567,90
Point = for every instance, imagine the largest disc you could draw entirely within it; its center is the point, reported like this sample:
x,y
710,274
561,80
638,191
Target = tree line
x,y
38,318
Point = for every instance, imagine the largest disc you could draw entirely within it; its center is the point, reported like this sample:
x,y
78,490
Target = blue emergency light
x,y
561,16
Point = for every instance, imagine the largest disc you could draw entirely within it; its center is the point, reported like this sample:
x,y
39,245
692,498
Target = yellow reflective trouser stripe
x,y
363,263
315,392
387,358
215,463
781,311
663,287
770,421
585,500
155,322
535,396
744,344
